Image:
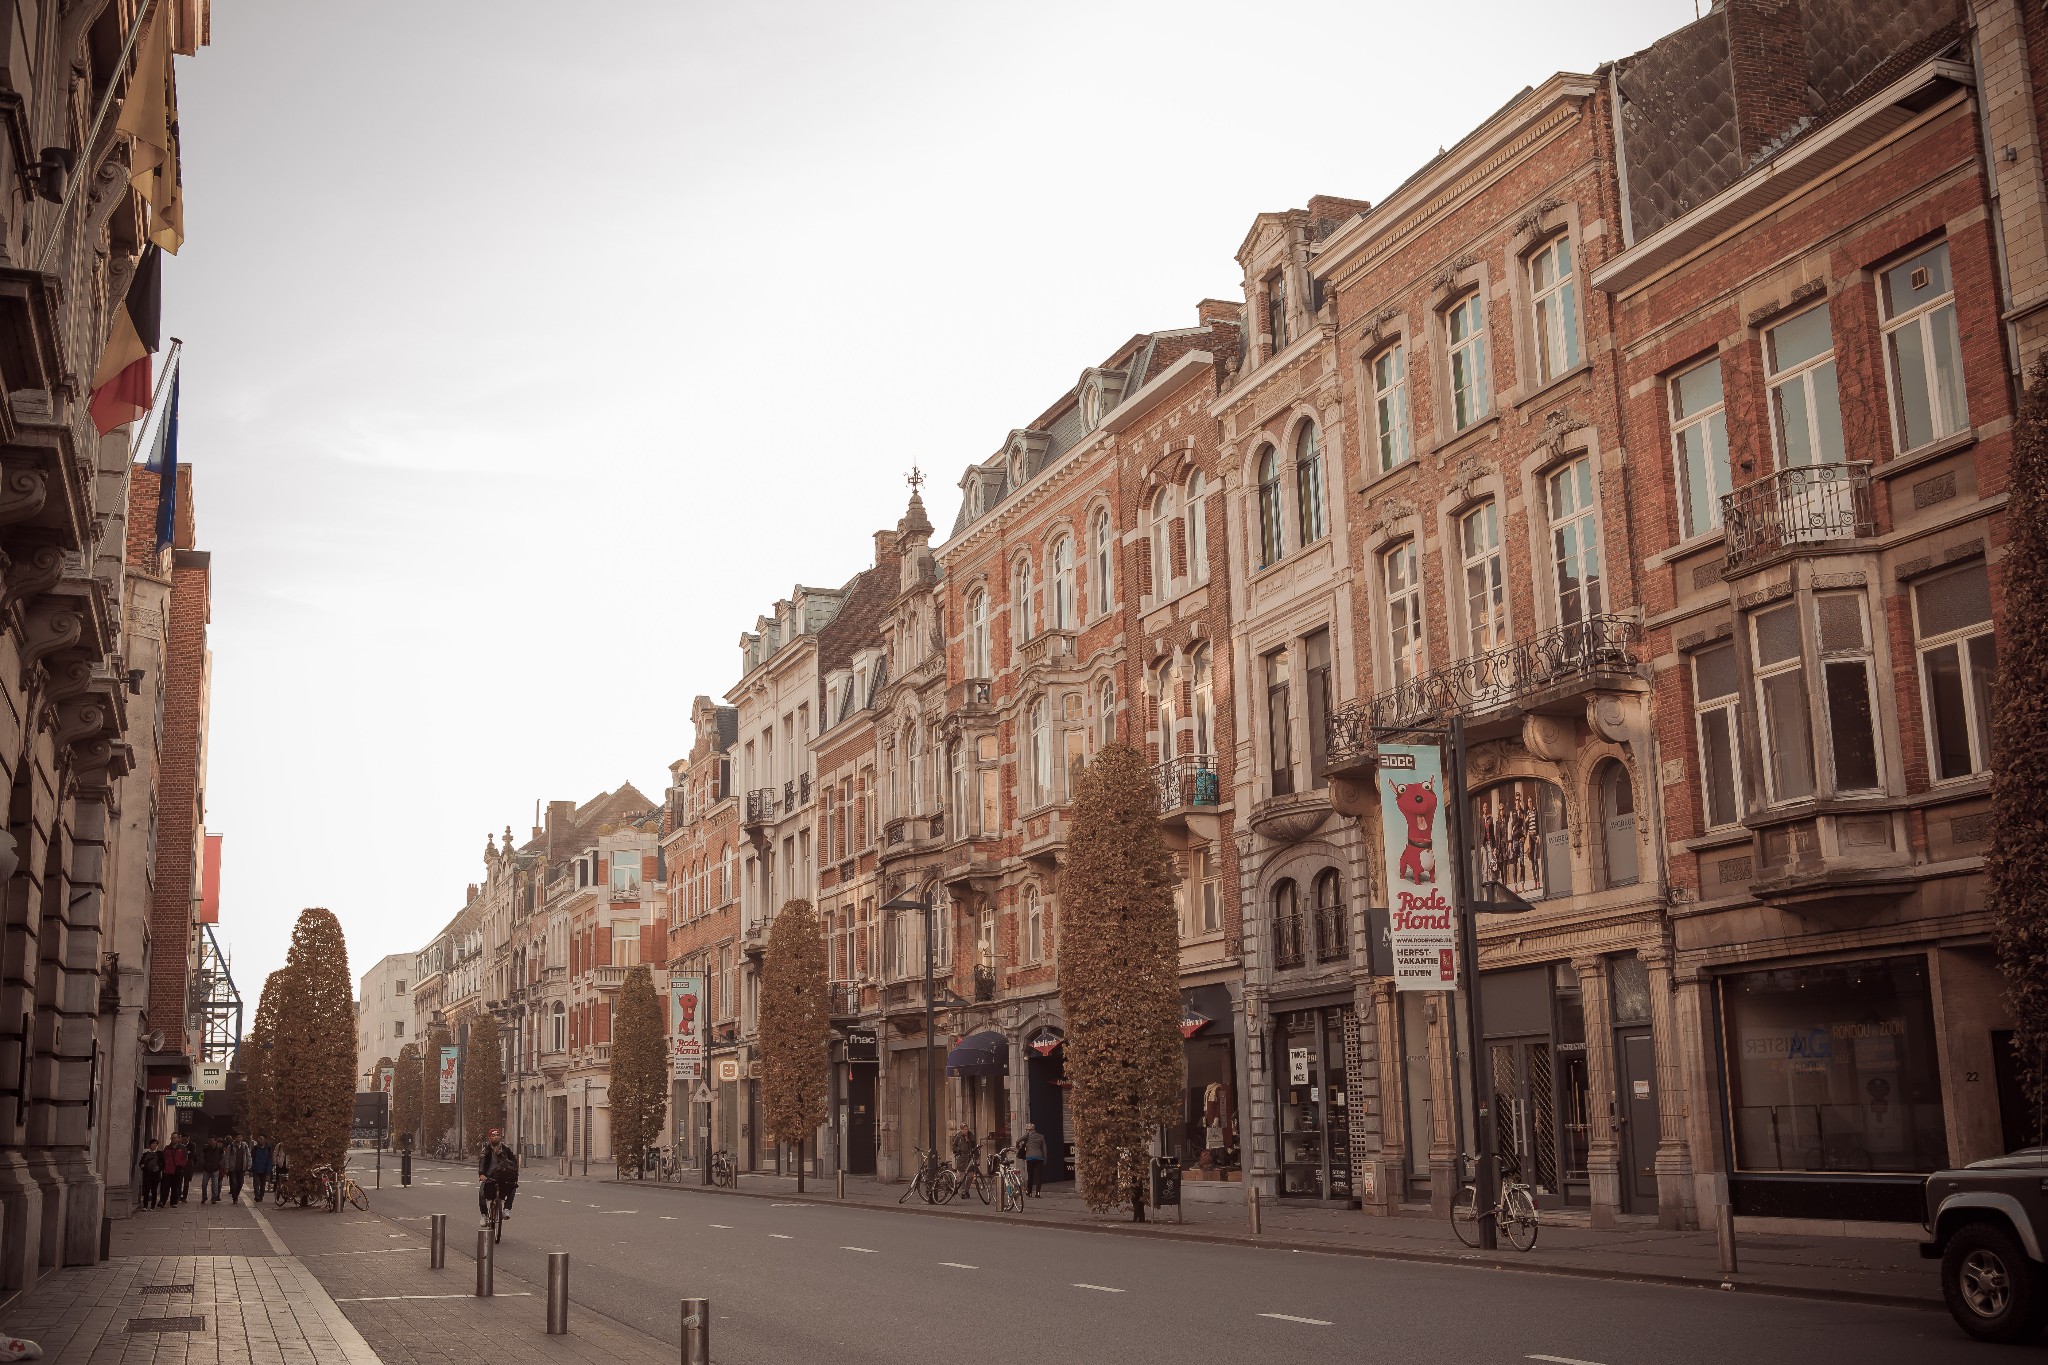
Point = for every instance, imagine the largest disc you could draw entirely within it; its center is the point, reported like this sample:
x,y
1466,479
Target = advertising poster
x,y
384,1074
1423,935
686,1033
451,1062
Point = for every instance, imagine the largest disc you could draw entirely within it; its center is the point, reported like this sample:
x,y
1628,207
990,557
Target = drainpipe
x,y
2016,377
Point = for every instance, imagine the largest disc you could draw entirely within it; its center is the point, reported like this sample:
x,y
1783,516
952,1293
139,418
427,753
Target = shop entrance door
x,y
1525,1108
1638,1063
860,1118
1048,1109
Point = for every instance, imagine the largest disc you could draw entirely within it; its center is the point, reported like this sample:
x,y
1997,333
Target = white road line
x,y
668,1218
1099,1288
398,1298
789,1206
1563,1360
726,1226
618,1210
959,1265
1289,1317
781,1236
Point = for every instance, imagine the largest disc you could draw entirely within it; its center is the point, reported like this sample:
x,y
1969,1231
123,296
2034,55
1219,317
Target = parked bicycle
x,y
723,1172
935,1181
338,1187
979,1178
1012,1180
1513,1212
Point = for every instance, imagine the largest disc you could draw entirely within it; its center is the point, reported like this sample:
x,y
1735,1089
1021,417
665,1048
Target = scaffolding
x,y
219,1003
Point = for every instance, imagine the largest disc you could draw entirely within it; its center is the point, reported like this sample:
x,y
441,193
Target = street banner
x,y
1418,861
451,1063
686,1024
384,1079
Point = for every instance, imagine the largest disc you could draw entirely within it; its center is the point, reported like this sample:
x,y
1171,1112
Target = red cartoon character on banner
x,y
1417,803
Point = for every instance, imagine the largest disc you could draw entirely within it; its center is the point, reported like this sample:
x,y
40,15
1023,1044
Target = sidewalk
x,y
1852,1269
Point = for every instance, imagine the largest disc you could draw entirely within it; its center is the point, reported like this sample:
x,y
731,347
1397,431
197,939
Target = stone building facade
x,y
383,1015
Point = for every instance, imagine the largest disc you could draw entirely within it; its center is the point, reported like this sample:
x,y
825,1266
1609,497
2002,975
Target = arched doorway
x,y
1045,1065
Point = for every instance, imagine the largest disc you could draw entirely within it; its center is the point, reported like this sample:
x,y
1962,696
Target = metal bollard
x,y
558,1293
842,1184
696,1332
1724,1226
1251,1206
486,1267
437,1242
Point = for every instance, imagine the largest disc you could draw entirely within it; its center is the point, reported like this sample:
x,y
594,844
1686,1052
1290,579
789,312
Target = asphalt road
x,y
792,1282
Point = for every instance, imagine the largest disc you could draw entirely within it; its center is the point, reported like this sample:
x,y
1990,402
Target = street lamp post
x,y
931,1112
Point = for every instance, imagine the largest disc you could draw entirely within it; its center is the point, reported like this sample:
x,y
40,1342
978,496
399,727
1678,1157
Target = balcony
x,y
1566,660
1333,938
608,978
760,808
1817,504
1189,780
913,833
1287,941
1051,648
843,1000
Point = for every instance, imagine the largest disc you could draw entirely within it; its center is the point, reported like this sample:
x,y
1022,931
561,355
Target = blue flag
x,y
163,458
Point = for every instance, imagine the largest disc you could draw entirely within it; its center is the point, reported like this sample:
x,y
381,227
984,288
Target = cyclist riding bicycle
x,y
497,1170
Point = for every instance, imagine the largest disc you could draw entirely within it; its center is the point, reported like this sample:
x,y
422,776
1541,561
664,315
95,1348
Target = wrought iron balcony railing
x,y
1804,505
1486,682
1333,938
1287,940
761,806
1189,780
845,999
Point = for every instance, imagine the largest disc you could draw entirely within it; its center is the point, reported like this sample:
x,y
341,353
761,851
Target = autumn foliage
x,y
795,1026
312,1066
639,1081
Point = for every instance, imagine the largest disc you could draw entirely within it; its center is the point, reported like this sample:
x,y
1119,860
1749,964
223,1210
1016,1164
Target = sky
x,y
534,350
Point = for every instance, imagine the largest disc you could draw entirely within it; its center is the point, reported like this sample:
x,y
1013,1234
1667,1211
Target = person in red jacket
x,y
177,1169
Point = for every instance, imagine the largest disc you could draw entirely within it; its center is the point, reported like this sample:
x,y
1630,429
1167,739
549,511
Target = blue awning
x,y
985,1054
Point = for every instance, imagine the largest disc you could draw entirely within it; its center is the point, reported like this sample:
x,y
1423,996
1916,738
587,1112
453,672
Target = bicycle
x,y
978,1180
496,1215
1012,1187
338,1187
935,1182
1513,1212
722,1171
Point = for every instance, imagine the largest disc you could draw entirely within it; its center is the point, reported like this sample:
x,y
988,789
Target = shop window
x,y
1486,605
1287,926
1271,532
1209,1140
1520,842
1699,448
1781,702
1314,1108
1958,669
1922,353
1618,821
1554,298
1390,405
1806,410
1471,394
1333,937
1833,1067
1308,483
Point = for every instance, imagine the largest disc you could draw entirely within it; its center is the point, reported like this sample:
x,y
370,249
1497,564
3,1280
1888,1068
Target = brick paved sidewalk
x,y
1884,1269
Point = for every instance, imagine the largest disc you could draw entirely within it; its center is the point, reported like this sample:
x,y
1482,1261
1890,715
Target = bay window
x,y
1717,708
1279,741
1842,619
1958,669
1787,731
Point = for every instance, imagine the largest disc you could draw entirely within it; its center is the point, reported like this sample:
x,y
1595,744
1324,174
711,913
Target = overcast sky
x,y
535,349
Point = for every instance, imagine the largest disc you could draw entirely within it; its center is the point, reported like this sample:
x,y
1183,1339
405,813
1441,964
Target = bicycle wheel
x,y
497,1218
1465,1215
981,1187
946,1186
1520,1224
356,1198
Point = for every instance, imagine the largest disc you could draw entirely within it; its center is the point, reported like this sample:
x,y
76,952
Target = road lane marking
x,y
400,1298
1563,1360
869,1250
782,1236
1289,1317
618,1210
726,1226
668,1218
959,1265
789,1206
1099,1288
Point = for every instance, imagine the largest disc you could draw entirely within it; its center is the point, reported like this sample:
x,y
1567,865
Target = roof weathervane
x,y
915,478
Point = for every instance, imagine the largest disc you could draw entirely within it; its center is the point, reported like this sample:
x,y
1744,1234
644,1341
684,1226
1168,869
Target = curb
x,y
1468,1261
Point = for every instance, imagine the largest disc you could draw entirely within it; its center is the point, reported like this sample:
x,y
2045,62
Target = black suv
x,y
1987,1223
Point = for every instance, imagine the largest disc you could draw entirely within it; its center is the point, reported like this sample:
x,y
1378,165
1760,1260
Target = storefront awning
x,y
985,1054
1205,1012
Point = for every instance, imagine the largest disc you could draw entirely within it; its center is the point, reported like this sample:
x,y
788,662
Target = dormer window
x,y
1091,407
974,508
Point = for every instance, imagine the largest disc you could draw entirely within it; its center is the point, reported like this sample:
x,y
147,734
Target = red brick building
x,y
700,850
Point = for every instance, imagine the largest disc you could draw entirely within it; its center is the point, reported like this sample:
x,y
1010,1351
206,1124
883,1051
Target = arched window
x,y
1287,936
1162,542
1041,753
1020,601
977,634
1105,564
1166,697
1333,934
1308,483
1519,840
1060,601
1271,543
1198,528
1105,715
1204,696
1618,820
1034,925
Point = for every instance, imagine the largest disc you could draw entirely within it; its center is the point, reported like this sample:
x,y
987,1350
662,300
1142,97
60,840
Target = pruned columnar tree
x,y
483,1081
2018,865
434,1115
313,1062
795,1029
405,1094
1119,963
253,1060
639,1085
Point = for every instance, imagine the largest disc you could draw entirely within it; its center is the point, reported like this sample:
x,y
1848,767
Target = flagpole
x,y
156,400
92,137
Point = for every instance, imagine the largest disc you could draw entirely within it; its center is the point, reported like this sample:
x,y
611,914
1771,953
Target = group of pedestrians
x,y
1030,1150
167,1170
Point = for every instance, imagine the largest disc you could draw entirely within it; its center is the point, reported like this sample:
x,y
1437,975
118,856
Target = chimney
x,y
1767,65
1210,312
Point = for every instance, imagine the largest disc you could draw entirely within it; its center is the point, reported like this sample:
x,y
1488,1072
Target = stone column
x,y
1390,1162
76,1112
1603,1146
1692,1011
26,1196
1676,1207
1446,1171
1258,1139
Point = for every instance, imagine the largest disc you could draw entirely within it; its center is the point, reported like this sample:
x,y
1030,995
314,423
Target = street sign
x,y
372,1116
702,1094
213,1076
187,1097
685,1020
1418,862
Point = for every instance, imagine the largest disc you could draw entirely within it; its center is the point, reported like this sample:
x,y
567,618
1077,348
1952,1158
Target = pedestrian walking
x,y
964,1148
211,1158
177,1170
235,1161
151,1165
259,1164
281,1167
1034,1159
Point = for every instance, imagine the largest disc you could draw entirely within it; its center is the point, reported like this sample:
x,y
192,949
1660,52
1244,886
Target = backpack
x,y
504,1165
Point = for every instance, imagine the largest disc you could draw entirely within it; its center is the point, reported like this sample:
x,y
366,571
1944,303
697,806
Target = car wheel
x,y
1993,1290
